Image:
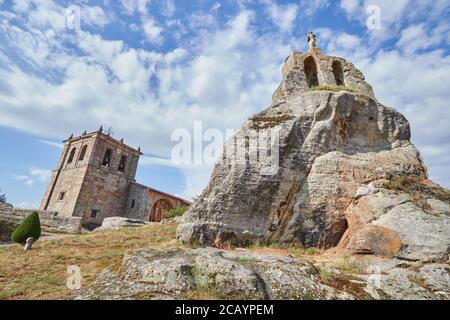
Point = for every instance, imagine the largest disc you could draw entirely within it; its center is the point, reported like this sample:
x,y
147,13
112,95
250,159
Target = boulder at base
x,y
120,222
180,273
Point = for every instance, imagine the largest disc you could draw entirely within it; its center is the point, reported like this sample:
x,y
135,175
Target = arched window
x,y
338,74
107,159
310,69
122,164
82,154
72,155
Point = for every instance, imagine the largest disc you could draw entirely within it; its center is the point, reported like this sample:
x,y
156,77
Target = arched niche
x,y
338,74
310,68
159,210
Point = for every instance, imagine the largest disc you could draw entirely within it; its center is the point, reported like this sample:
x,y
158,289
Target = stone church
x,y
95,179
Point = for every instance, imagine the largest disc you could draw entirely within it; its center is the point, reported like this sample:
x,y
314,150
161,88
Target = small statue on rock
x,y
28,243
312,40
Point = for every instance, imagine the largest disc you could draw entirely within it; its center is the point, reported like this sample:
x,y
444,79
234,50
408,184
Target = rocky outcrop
x,y
331,142
397,223
181,273
119,222
177,272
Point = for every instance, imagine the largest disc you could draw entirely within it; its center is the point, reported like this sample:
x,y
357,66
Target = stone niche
x,y
304,71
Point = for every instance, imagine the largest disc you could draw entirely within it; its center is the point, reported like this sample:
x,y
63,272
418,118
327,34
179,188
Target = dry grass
x,y
419,188
334,88
41,272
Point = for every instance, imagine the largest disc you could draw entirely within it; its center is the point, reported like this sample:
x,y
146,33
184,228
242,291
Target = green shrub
x,y
30,227
177,212
334,88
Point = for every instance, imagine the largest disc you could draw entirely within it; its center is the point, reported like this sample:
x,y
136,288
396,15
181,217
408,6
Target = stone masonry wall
x,y
145,199
105,188
49,219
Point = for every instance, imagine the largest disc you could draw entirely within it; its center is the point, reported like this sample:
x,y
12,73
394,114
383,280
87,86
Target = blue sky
x,y
147,67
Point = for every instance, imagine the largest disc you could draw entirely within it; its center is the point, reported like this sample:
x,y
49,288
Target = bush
x,y
30,227
177,212
334,88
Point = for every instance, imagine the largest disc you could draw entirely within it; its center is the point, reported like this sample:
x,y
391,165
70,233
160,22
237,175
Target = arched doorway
x,y
310,68
159,210
338,74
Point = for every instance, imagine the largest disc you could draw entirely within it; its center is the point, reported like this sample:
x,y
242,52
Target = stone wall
x,y
48,219
145,200
139,196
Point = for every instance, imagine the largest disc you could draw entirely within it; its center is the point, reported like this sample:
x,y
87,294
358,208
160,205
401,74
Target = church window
x,y
123,161
107,159
94,213
72,155
82,154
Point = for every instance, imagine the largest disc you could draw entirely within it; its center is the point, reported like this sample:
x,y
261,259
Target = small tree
x,y
2,197
30,227
177,212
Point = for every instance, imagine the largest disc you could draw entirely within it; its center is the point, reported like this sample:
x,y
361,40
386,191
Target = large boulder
x,y
221,274
412,224
120,222
179,273
332,140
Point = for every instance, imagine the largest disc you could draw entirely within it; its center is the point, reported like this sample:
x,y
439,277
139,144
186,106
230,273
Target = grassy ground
x,y
41,272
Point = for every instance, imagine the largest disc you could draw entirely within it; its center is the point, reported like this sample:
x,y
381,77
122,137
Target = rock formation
x,y
337,146
184,273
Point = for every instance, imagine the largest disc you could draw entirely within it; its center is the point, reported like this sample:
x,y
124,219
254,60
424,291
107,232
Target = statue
x,y
28,243
312,39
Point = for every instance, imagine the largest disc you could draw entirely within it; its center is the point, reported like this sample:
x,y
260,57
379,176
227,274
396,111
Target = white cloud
x,y
283,16
168,8
394,14
418,37
215,7
27,205
94,16
199,20
29,182
35,174
152,31
132,6
52,143
42,175
310,7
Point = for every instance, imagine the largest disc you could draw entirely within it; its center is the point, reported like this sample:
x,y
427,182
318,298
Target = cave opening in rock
x,y
338,74
310,68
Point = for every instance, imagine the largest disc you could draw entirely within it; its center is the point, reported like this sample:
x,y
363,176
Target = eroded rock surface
x,y
392,223
119,222
179,273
